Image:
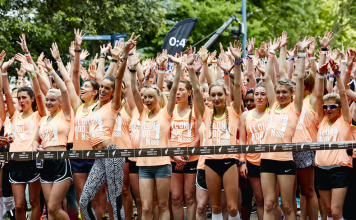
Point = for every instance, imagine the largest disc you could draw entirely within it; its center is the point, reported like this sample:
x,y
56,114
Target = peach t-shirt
x,y
307,127
81,130
281,127
183,135
219,134
201,162
24,131
339,131
54,133
121,135
101,123
255,131
154,134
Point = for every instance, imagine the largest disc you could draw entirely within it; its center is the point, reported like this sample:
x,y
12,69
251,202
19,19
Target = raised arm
x,y
345,110
203,53
351,54
2,102
250,73
162,62
27,53
6,87
283,56
174,89
236,53
271,96
324,43
198,96
76,69
320,91
36,88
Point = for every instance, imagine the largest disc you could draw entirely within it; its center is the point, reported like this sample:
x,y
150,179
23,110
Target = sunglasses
x,y
333,106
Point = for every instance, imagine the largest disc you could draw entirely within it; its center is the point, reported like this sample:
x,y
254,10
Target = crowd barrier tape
x,y
161,152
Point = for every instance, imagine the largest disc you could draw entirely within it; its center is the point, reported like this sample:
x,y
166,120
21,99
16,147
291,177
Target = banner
x,y
177,37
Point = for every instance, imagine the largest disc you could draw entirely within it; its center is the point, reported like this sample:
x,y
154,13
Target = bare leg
x,y
268,183
202,203
163,186
136,190
34,190
306,177
177,185
189,195
126,194
146,193
286,190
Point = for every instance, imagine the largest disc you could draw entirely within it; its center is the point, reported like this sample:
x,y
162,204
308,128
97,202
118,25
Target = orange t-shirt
x,y
339,131
101,123
121,135
183,135
135,128
307,127
219,134
81,130
24,131
280,129
255,131
154,134
54,133
201,162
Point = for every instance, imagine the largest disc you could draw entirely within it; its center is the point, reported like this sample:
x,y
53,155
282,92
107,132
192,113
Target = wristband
x,y
183,77
302,55
343,61
190,67
331,78
133,71
102,57
197,73
27,53
320,76
103,54
250,56
226,73
209,65
324,52
4,74
238,61
242,162
312,58
78,51
130,54
302,51
33,74
151,80
272,52
271,55
161,71
226,76
292,58
21,77
82,61
324,49
113,60
337,73
42,72
51,72
349,71
166,74
162,68
58,61
28,57
71,58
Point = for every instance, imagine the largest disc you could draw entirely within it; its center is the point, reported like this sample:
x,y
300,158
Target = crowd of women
x,y
207,100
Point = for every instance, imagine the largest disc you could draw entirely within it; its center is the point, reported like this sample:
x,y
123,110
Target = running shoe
x,y
254,208
209,215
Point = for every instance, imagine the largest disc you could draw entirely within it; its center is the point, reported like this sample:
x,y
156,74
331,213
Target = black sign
x,y
3,155
148,152
180,151
122,153
46,155
20,155
70,155
95,154
206,150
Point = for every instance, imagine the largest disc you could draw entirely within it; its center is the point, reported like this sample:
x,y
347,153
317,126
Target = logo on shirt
x,y
257,132
220,133
278,124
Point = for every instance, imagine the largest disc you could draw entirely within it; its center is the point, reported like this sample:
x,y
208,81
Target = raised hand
x,y
262,50
176,60
211,57
71,50
334,66
55,52
40,57
22,43
68,67
284,39
134,60
261,67
224,66
342,52
78,38
190,55
48,65
25,67
104,49
84,54
305,43
2,57
162,58
131,43
324,68
21,58
250,45
7,64
117,50
311,48
84,73
236,50
198,64
351,54
334,54
92,71
275,45
203,53
326,39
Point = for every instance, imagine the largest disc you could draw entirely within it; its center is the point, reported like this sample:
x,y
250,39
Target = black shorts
x,y
220,166
56,171
23,172
253,170
337,177
278,167
133,168
6,185
126,160
190,167
82,166
200,181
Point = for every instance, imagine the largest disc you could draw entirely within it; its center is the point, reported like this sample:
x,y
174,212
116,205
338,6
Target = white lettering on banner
x,y
329,135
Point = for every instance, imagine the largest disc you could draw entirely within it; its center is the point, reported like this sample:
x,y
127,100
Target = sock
x,y
11,214
1,207
9,203
342,218
330,218
237,217
217,217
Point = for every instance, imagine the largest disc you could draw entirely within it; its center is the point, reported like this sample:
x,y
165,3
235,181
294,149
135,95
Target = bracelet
x,y
271,55
302,55
272,52
113,60
324,49
132,71
51,72
349,71
250,56
103,54
4,74
337,73
227,76
71,58
324,52
27,53
162,68
28,57
331,78
312,58
190,67
124,58
238,61
151,80
209,65
197,73
42,72
183,77
33,74
78,51
321,76
130,54
161,71
58,61
302,51
226,73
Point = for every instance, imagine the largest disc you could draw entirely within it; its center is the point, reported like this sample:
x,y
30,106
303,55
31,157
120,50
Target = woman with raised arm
x,y
221,129
101,122
333,166
25,126
281,127
55,175
89,93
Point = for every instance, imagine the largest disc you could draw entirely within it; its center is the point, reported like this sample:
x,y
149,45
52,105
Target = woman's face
x,y
87,91
182,93
142,91
106,90
165,87
260,96
218,96
150,99
250,101
25,101
52,102
283,94
207,101
331,109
